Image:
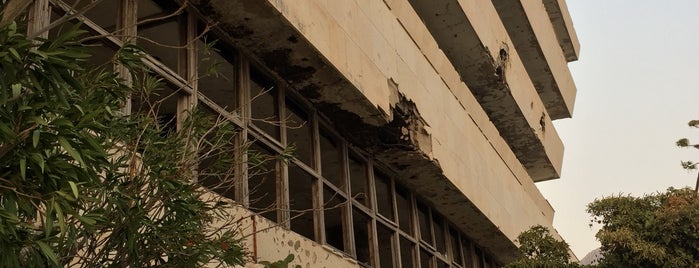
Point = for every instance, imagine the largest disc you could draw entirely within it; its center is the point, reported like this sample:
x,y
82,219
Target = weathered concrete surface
x,y
474,39
533,35
563,25
266,241
377,73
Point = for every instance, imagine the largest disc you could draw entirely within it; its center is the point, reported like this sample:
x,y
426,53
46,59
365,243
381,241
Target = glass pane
x,y
264,104
455,246
334,214
301,201
442,264
262,182
358,180
384,195
425,258
406,253
216,74
299,133
439,235
404,209
362,236
331,160
424,221
385,238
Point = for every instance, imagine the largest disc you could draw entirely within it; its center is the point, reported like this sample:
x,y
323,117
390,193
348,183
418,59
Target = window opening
x,y
161,35
216,73
299,133
386,250
334,210
424,222
262,181
301,201
362,236
406,253
264,104
384,195
404,209
359,180
331,160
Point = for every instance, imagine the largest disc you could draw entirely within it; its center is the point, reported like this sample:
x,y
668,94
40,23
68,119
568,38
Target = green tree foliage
x,y
539,249
657,230
685,143
83,185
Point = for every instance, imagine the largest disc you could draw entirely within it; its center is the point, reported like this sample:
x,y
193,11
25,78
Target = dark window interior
x,y
406,253
262,182
264,104
384,195
299,133
404,209
455,246
331,161
164,39
423,218
301,201
334,210
385,239
358,180
439,236
362,235
216,74
425,258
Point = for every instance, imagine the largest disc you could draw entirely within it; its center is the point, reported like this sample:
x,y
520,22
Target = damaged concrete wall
x,y
378,74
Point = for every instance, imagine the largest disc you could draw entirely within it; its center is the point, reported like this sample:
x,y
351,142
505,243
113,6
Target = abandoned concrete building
x,y
424,124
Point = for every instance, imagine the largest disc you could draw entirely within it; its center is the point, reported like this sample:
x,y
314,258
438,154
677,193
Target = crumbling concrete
x,y
376,73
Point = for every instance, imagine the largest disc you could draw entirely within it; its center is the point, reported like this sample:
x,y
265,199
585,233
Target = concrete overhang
x,y
533,35
474,39
563,25
263,29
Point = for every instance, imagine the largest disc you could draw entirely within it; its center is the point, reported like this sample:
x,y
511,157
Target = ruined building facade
x,y
419,127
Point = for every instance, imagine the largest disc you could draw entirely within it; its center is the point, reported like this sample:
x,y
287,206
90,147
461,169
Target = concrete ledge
x,y
533,35
563,25
474,39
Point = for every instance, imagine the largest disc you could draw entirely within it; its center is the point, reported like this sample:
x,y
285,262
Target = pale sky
x,y
638,85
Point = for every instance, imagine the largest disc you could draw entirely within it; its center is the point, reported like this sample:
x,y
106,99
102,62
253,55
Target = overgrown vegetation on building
x,y
84,185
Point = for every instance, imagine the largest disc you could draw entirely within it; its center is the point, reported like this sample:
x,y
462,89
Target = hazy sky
x,y
638,85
